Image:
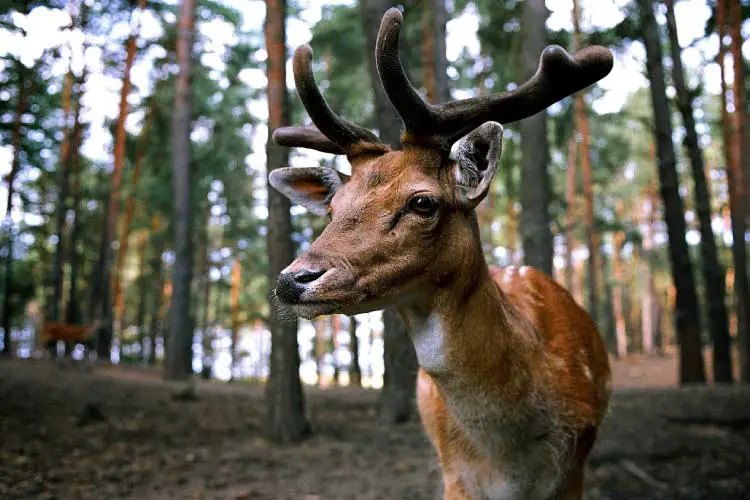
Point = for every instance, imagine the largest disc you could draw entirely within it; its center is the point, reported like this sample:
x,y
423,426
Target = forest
x,y
141,240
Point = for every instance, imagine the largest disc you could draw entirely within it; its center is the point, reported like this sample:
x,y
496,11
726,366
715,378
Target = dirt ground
x,y
84,432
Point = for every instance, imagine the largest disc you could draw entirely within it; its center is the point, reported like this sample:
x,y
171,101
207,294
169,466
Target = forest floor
x,y
93,432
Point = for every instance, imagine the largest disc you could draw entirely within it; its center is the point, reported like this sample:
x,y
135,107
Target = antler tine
x,y
333,134
558,76
306,137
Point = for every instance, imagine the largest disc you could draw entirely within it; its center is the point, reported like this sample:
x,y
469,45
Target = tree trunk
x,y
140,316
104,343
686,308
570,211
740,105
319,347
713,272
124,238
582,126
355,372
179,359
621,333
53,310
434,61
73,308
536,234
285,402
650,311
157,281
738,207
400,363
15,165
234,308
206,278
743,172
399,381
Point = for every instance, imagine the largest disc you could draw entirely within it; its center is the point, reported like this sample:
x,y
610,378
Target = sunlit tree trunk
x,y
140,316
104,296
570,211
400,360
124,239
333,328
319,347
234,314
582,129
621,333
179,354
285,401
355,372
686,312
649,301
738,205
713,272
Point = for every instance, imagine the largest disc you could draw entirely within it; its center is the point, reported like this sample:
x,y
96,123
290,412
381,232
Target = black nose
x,y
307,275
290,286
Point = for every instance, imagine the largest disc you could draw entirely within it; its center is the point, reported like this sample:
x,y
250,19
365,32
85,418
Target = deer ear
x,y
311,187
476,162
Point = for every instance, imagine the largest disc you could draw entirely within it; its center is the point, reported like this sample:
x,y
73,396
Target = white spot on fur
x,y
429,339
523,270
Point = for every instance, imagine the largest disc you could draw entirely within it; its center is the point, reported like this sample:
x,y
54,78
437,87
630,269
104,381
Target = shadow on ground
x,y
71,432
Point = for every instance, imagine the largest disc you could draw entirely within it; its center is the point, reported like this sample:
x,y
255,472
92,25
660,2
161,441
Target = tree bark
x,y
743,172
63,176
713,272
285,401
73,308
140,316
104,296
124,238
592,237
178,364
355,372
536,233
333,326
570,211
157,281
621,333
399,381
234,308
737,206
434,61
206,280
650,310
687,315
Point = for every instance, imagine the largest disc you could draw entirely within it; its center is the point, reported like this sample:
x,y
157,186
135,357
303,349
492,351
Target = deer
x,y
514,379
50,332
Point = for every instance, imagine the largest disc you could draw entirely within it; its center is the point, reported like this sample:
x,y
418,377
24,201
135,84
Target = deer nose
x,y
305,276
291,285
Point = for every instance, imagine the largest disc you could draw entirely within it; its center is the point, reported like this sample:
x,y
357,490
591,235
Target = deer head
x,y
403,224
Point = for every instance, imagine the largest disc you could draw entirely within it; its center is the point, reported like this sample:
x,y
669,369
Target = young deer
x,y
514,378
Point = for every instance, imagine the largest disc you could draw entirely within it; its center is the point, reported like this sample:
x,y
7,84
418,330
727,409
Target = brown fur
x,y
513,392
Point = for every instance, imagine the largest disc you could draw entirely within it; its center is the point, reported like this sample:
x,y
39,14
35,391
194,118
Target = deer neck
x,y
467,333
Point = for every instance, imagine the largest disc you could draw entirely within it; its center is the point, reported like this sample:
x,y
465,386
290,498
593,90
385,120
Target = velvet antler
x,y
559,75
333,134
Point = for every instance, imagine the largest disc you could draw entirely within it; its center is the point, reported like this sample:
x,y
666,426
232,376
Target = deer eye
x,y
423,205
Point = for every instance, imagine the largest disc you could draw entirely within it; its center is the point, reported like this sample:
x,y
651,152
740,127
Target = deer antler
x,y
559,75
333,134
